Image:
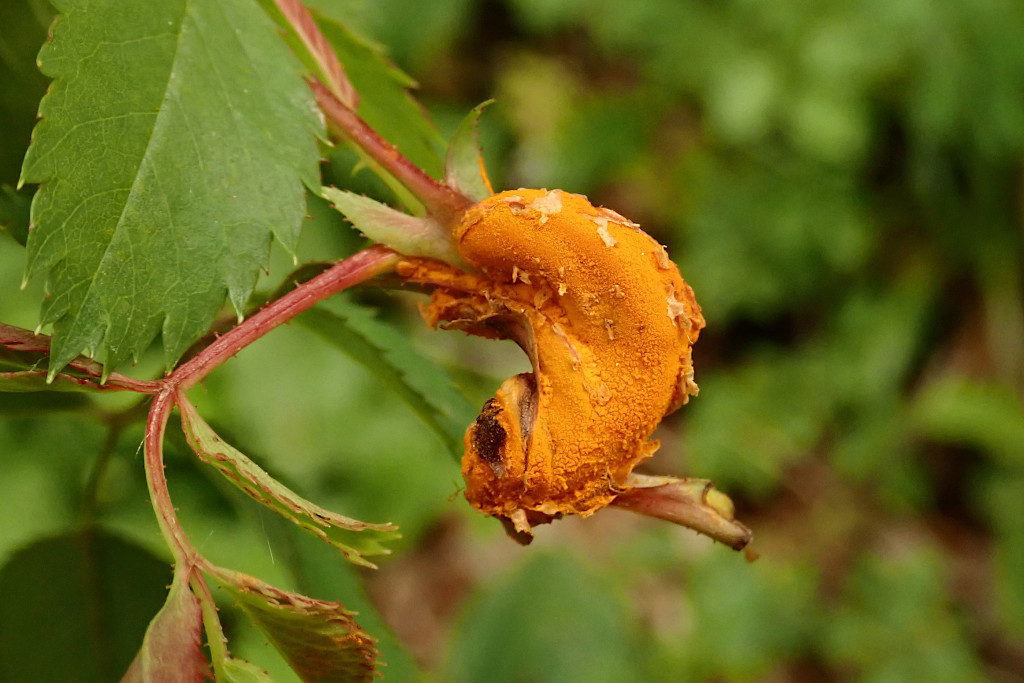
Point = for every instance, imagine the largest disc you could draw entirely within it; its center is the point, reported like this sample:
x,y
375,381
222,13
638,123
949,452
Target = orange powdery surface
x,y
608,324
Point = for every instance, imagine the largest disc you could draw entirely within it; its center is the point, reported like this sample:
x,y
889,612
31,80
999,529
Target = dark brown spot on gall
x,y
489,436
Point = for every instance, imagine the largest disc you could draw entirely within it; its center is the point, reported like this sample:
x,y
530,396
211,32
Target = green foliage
x,y
1003,506
905,595
840,183
413,31
733,603
86,594
552,619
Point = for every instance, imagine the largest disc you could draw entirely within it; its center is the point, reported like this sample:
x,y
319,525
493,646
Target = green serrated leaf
x,y
172,650
75,607
423,385
174,141
464,164
352,537
320,640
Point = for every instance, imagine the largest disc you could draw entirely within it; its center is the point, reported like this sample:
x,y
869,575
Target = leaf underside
x,y
352,537
241,671
320,640
173,142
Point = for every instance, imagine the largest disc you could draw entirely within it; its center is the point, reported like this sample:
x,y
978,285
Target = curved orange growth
x,y
608,324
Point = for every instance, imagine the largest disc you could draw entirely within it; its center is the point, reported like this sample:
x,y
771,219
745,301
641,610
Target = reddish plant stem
x,y
159,494
186,558
319,48
19,340
119,382
443,203
353,270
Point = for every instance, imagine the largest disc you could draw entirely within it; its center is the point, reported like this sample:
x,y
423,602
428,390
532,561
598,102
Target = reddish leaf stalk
x,y
442,202
159,494
316,44
186,558
353,270
320,49
91,373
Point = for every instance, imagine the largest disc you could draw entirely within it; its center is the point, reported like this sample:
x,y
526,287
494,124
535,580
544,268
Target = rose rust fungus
x,y
608,324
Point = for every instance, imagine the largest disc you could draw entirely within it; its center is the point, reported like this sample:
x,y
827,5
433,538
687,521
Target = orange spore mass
x,y
608,324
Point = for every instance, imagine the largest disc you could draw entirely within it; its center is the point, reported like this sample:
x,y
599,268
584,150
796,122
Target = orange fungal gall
x,y
608,324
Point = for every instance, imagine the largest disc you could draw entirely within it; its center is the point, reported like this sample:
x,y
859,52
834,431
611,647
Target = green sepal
x,y
405,234
464,166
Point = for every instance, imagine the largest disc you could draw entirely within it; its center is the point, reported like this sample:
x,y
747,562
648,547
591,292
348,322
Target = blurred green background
x,y
841,184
